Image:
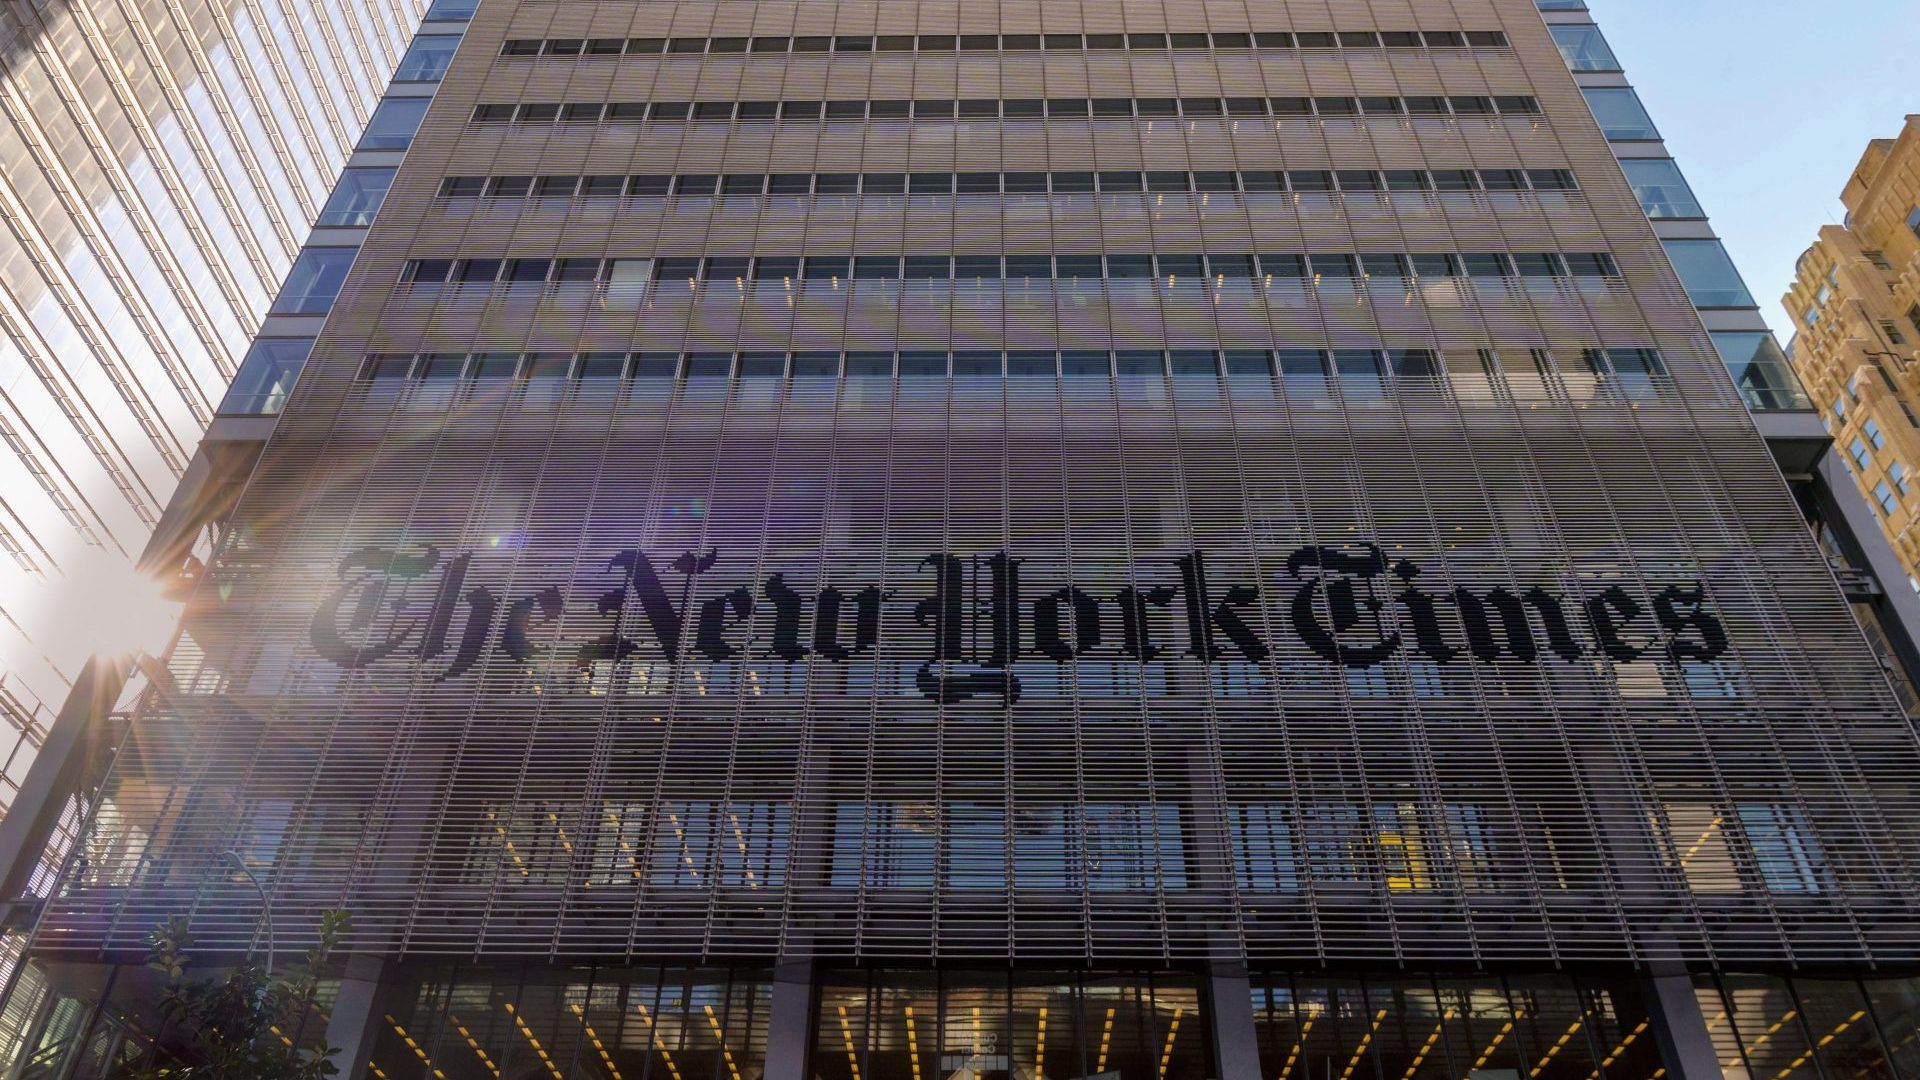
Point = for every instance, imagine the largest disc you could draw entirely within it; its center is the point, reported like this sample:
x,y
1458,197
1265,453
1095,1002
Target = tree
x,y
240,1027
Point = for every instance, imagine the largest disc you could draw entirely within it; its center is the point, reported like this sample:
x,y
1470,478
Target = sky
x,y
1768,105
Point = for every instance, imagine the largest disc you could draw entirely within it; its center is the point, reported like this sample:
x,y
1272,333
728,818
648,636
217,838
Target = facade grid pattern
x,y
1519,657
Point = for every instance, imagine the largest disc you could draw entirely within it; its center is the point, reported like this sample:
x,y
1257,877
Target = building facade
x,y
160,166
1856,312
835,540
1874,578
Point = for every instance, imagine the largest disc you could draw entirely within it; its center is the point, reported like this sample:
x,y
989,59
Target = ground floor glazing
x,y
68,1021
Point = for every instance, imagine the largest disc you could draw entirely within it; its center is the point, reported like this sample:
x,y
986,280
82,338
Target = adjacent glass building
x,y
160,166
899,540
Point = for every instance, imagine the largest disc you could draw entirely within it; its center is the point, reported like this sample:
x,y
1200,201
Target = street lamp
x,y
266,909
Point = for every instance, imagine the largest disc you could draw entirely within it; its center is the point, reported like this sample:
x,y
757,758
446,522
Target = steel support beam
x,y
1230,1003
1681,1028
355,1019
790,1021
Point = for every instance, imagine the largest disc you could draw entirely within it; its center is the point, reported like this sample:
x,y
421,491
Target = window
x,y
1840,408
1263,850
266,376
427,58
393,123
1874,435
1877,258
1760,370
1901,478
1633,369
1584,48
356,197
1708,273
452,9
1661,188
1862,457
1784,848
314,281
1620,113
1884,495
1913,221
1892,330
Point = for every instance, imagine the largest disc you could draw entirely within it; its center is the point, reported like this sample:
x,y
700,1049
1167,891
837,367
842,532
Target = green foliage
x,y
231,1028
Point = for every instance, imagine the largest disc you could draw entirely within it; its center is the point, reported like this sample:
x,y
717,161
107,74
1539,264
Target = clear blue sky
x,y
1767,105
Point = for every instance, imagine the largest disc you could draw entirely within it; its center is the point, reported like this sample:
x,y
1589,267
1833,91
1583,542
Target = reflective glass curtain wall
x,y
160,167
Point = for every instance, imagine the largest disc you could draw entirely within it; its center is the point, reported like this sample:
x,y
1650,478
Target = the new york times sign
x,y
974,622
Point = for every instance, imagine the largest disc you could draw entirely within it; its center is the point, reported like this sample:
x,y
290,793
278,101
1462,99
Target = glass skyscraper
x,y
904,540
160,166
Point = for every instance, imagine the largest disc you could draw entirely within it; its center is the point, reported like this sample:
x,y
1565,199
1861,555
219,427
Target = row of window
x,y
959,844
1301,370
1018,183
572,48
1486,264
594,112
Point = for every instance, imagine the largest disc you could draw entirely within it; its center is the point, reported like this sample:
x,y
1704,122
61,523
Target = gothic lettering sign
x,y
976,622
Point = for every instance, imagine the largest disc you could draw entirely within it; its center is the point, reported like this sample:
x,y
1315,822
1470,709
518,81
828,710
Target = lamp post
x,y
266,909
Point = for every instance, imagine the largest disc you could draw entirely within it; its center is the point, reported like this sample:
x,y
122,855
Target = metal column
x,y
1681,1028
790,1021
355,1018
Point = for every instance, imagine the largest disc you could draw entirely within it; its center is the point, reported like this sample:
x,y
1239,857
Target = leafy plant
x,y
242,1026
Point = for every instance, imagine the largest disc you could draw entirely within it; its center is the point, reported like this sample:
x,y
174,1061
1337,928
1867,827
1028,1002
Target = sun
x,y
102,605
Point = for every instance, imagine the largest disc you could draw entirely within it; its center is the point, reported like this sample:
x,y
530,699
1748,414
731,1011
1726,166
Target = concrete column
x,y
1230,1004
790,1021
1681,1028
356,1016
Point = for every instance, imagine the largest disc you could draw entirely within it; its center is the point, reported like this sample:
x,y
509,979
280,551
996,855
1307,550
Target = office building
x,y
161,165
817,540
1856,315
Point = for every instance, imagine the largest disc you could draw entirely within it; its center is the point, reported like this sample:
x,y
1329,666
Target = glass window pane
x,y
314,281
427,58
357,197
392,125
266,376
1661,188
1584,47
452,9
1708,273
1620,113
1760,370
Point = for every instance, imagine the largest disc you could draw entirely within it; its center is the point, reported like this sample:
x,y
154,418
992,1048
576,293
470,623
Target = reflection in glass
x,y
1661,189
357,197
1760,370
427,58
393,123
889,1025
314,281
1584,47
1708,273
483,1024
1620,113
1549,1028
266,376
